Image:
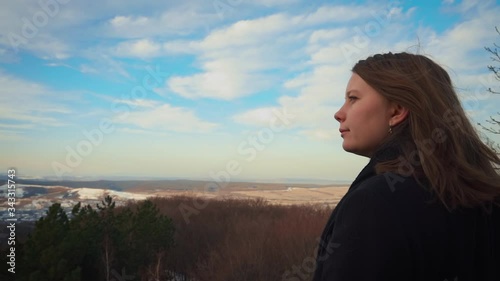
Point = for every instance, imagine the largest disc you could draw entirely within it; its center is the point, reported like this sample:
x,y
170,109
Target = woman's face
x,y
364,118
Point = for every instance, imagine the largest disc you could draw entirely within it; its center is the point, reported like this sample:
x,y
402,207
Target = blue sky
x,y
229,89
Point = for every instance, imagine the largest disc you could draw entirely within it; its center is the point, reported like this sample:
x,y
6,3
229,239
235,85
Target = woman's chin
x,y
354,150
347,147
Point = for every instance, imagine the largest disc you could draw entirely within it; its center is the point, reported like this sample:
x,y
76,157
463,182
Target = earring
x,y
390,129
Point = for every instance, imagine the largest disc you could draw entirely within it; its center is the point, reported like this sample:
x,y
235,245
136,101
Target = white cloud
x,y
85,68
273,3
143,48
219,85
178,20
15,126
48,47
42,45
222,79
141,132
165,117
122,21
246,32
260,116
321,85
70,28
29,103
133,103
233,59
327,35
467,5
27,106
305,52
104,64
460,51
469,8
471,35
321,89
325,46
337,13
32,27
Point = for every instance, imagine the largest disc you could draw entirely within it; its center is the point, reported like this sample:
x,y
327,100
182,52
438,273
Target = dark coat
x,y
385,229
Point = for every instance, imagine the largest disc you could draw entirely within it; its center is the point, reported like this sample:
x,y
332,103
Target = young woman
x,y
427,205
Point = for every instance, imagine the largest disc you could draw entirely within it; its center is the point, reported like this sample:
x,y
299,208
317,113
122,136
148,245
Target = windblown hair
x,y
438,142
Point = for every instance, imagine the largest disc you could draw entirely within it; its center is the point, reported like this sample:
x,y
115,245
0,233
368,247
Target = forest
x,y
156,239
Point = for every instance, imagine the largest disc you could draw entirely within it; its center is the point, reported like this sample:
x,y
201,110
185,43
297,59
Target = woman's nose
x,y
339,116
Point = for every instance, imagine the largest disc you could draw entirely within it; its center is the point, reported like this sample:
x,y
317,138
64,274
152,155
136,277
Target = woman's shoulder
x,y
392,186
394,193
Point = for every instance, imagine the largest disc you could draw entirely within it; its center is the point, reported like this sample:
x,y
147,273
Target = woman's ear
x,y
398,114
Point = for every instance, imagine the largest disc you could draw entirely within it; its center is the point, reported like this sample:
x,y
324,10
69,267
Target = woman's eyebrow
x,y
351,92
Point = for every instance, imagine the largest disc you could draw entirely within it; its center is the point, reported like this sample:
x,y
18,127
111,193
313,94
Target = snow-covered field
x,y
94,194
38,197
65,192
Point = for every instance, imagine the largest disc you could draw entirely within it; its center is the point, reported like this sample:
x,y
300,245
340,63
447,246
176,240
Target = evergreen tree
x,y
83,240
151,234
95,243
44,257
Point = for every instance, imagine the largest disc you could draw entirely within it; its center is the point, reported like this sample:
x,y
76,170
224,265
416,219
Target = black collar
x,y
388,151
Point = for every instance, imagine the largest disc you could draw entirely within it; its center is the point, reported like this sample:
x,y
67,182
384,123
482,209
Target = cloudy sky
x,y
211,89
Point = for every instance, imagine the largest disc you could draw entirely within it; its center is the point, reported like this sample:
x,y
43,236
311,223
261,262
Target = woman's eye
x,y
352,98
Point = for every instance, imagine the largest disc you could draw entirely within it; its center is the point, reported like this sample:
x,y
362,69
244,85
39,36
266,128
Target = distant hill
x,y
142,185
103,184
120,185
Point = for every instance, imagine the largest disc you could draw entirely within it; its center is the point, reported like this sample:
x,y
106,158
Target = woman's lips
x,y
343,131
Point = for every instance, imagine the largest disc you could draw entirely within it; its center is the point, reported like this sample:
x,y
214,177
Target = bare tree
x,y
494,122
